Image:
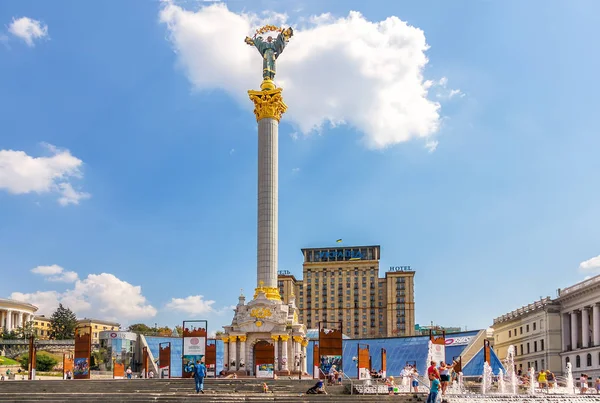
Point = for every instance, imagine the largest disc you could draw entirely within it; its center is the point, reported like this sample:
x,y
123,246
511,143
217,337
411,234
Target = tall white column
x,y
304,359
284,352
9,315
243,353
574,330
267,256
585,327
226,352
566,331
596,324
232,353
275,339
19,319
2,319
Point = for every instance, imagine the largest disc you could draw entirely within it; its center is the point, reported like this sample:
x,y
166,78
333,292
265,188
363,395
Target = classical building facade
x,y
15,314
343,284
580,314
97,326
42,326
534,332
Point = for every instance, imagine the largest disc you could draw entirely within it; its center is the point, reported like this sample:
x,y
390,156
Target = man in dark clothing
x,y
199,375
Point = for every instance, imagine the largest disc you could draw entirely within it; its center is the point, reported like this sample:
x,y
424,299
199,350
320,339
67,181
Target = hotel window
x,y
521,330
589,360
542,345
577,362
528,350
527,328
535,346
534,324
509,334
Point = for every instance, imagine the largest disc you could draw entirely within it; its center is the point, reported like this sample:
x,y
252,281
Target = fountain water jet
x,y
501,386
531,381
486,383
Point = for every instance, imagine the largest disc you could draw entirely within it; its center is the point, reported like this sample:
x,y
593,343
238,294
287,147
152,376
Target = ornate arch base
x,y
260,322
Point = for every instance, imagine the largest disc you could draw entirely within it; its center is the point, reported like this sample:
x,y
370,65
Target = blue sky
x,y
150,146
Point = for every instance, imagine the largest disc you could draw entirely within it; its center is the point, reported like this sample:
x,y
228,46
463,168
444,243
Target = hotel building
x,y
343,284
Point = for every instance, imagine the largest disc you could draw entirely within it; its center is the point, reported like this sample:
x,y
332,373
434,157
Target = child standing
x,y
433,391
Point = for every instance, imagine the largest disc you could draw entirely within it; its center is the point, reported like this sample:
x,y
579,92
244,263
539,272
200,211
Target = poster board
x,y
194,345
83,351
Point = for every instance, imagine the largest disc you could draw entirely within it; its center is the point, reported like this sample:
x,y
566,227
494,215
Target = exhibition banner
x,y
194,345
83,351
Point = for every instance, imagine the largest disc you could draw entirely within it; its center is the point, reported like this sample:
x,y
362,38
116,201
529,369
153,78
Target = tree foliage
x,y
63,323
26,331
43,362
146,330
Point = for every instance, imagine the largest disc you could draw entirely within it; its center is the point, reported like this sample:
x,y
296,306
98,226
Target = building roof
x,y
525,310
98,321
6,303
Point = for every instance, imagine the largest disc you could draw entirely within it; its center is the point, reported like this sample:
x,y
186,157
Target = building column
x,y
304,359
2,318
275,338
284,352
566,331
574,330
232,353
20,319
585,327
9,314
242,353
596,324
226,351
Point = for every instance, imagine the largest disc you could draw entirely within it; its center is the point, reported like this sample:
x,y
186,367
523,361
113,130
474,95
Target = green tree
x,y
140,328
12,335
63,323
43,362
26,331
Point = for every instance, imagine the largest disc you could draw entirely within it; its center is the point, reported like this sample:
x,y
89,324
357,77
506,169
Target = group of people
x,y
440,379
584,383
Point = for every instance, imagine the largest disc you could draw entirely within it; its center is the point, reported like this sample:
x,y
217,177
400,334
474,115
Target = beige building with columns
x,y
15,314
580,314
534,332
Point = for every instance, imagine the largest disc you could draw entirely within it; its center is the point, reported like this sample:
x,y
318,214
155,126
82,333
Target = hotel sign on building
x,y
343,284
341,254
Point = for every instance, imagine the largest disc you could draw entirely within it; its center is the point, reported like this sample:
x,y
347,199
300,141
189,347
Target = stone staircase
x,y
181,390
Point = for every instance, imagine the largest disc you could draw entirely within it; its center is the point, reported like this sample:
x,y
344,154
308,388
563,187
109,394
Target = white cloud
x,y
103,296
47,270
194,305
21,173
46,301
294,136
442,90
56,273
368,75
295,170
28,29
231,151
591,265
431,145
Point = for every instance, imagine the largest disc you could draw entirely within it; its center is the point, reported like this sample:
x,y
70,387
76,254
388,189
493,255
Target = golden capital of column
x,y
284,337
275,337
268,103
242,338
304,343
225,339
298,339
271,293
